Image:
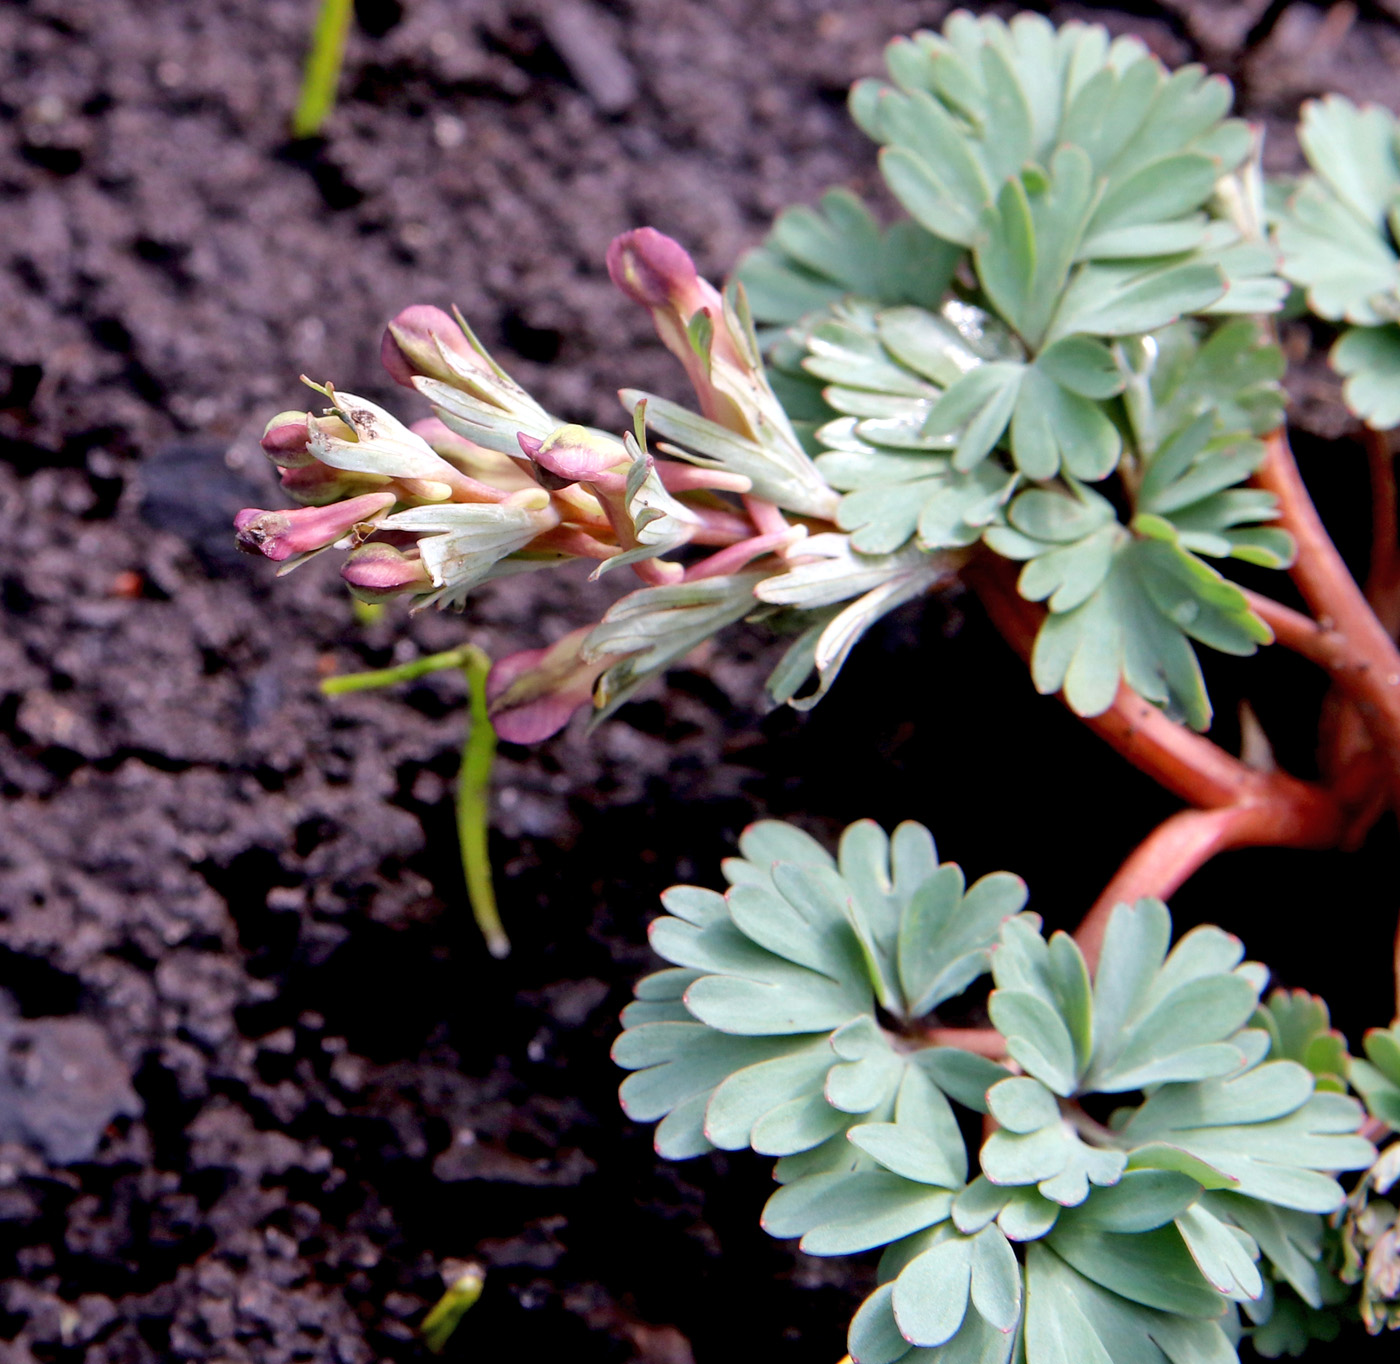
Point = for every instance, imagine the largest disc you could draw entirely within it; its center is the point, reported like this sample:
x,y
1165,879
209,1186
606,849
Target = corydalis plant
x,y
1055,381
965,378
800,1018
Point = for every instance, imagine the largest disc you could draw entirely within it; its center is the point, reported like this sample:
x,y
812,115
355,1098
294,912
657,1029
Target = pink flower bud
x,y
411,346
533,693
658,273
285,439
278,535
379,572
573,453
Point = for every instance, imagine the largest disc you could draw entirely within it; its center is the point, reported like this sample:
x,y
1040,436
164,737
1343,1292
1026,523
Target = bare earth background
x,y
234,907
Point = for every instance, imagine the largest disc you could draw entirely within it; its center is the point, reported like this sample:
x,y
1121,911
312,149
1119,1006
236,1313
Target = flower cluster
x,y
493,485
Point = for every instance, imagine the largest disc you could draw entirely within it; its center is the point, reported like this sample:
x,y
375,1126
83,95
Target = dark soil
x,y
235,907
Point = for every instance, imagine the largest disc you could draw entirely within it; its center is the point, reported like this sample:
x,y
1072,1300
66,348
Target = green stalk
x,y
405,672
473,780
322,67
473,806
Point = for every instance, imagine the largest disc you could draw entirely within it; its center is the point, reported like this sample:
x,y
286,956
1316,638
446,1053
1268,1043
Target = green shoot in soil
x,y
474,779
446,1315
322,72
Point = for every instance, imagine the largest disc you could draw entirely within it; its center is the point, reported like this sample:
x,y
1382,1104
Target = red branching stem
x,y
1296,816
1329,649
1186,763
1353,769
1371,680
1343,731
1237,805
1383,579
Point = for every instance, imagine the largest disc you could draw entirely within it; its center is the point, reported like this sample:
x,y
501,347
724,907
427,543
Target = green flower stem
x,y
404,672
473,806
473,779
322,67
1372,683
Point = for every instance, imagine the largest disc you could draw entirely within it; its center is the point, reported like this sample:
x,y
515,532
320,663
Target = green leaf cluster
x,y
1073,327
1157,1159
1377,1077
764,1032
1123,572
1079,176
814,258
1340,238
1300,1029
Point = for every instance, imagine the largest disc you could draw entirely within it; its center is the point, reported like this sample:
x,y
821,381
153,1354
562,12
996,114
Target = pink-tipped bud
x,y
278,535
573,453
533,693
318,485
284,441
657,272
379,572
411,346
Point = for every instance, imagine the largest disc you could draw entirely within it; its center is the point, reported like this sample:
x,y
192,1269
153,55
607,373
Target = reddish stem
x,y
1296,816
1343,732
733,558
1383,580
1186,763
982,1041
1239,806
1371,676
1329,649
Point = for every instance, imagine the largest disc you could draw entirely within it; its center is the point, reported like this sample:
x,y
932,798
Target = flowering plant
x,y
1057,383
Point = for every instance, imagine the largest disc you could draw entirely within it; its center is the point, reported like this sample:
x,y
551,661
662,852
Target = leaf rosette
x,y
1124,572
1080,177
1085,334
764,1032
1156,1158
